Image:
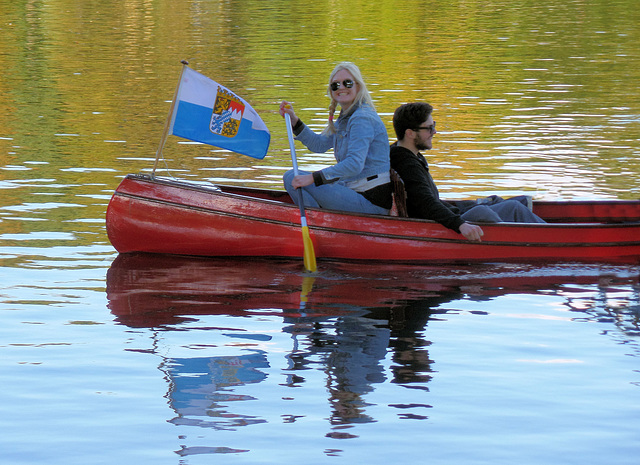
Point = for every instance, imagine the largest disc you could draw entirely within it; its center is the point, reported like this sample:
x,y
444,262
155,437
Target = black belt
x,y
371,178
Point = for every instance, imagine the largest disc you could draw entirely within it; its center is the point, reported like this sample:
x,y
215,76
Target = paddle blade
x,y
309,254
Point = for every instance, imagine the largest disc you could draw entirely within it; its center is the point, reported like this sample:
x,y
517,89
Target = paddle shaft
x,y
292,147
309,254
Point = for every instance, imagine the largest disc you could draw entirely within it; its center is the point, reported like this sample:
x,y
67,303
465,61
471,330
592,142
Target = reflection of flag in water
x,y
204,386
204,111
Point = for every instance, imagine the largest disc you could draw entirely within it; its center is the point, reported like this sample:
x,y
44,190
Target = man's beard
x,y
421,145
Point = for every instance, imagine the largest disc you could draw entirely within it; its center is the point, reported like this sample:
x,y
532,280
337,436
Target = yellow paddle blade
x,y
309,254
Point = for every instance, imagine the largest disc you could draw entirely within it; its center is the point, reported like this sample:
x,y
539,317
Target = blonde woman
x,y
359,181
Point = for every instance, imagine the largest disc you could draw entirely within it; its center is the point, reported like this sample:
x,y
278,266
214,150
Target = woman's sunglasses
x,y
348,83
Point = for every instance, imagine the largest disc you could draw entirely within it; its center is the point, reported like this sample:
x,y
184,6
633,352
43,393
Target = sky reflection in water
x,y
185,361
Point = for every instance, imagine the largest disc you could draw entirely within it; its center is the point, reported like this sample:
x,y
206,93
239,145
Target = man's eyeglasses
x,y
348,83
431,129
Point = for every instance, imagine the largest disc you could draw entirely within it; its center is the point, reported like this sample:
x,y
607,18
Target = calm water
x,y
108,359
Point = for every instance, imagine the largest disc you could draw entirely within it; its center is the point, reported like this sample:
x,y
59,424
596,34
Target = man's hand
x,y
471,231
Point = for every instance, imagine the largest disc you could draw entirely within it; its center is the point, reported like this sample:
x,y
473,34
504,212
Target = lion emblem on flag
x,y
227,114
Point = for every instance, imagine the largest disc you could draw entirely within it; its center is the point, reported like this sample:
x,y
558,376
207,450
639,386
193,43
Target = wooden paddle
x,y
309,256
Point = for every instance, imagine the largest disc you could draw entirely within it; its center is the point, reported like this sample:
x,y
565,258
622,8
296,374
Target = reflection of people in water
x,y
352,348
353,365
349,349
412,363
347,342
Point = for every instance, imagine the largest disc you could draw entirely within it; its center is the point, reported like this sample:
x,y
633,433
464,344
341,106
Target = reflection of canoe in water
x,y
151,290
352,324
165,216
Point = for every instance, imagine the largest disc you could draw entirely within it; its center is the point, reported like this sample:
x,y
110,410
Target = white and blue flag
x,y
207,112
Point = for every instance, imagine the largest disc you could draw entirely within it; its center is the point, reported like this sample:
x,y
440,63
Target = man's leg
x,y
514,211
481,214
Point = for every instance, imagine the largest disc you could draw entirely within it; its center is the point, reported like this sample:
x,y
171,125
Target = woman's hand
x,y
302,180
286,107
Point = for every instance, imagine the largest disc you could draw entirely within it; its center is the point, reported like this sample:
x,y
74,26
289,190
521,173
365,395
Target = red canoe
x,y
159,215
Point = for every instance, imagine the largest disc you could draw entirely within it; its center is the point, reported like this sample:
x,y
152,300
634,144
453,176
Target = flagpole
x,y
165,133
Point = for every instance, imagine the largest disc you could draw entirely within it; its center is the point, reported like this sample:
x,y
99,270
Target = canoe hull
x,y
164,216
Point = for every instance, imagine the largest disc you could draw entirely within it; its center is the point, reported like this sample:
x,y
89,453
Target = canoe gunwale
x,y
158,215
224,190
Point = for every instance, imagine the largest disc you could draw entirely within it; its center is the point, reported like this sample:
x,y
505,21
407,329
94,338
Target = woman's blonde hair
x,y
362,96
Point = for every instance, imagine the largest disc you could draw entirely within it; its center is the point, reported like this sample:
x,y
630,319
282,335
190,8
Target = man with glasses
x,y
415,128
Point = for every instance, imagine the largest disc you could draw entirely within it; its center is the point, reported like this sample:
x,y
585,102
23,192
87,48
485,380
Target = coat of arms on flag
x,y
227,114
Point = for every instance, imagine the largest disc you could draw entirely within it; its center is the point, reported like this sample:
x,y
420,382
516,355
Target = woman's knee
x,y
287,176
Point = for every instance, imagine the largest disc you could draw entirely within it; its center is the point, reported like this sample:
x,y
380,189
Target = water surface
x,y
108,359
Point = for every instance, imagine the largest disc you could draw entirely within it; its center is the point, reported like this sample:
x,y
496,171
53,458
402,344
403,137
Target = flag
x,y
204,111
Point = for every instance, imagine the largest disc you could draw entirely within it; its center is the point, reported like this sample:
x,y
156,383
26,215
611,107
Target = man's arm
x,y
422,195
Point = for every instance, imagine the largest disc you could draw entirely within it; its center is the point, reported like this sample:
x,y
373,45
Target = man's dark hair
x,y
410,116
